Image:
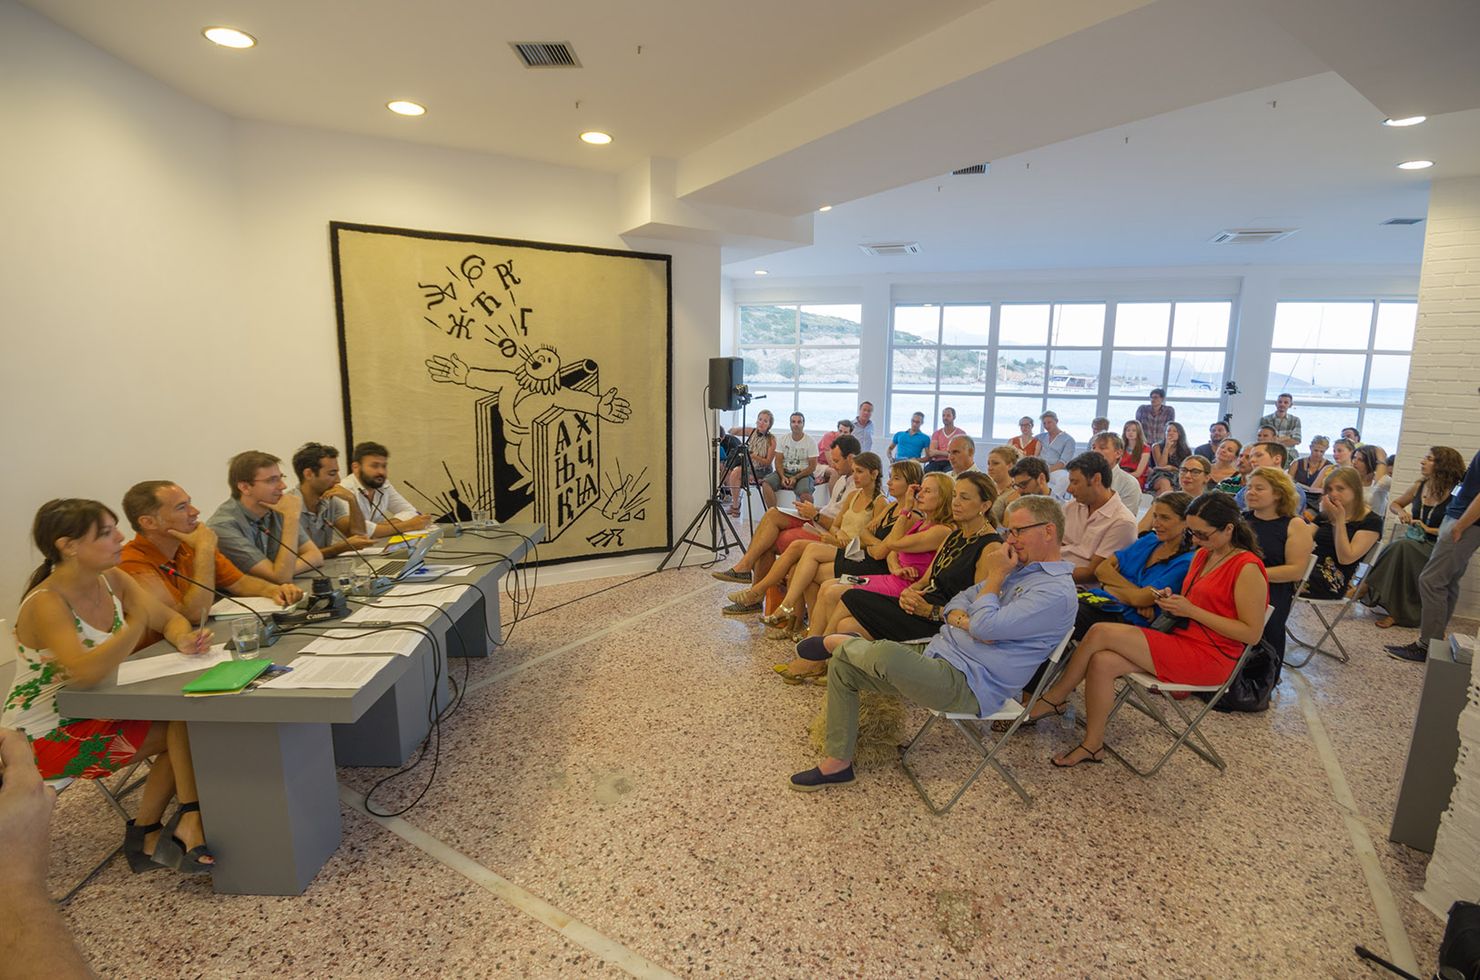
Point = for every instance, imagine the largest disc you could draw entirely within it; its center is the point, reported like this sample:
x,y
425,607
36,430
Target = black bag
x,y
1459,950
1254,684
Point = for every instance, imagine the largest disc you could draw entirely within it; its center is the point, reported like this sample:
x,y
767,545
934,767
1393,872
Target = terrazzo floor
x,y
612,798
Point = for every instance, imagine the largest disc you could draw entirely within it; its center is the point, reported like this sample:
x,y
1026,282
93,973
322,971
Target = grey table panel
x,y
510,542
1428,775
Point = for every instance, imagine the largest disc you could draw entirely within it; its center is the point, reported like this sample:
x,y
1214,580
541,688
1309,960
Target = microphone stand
x,y
379,584
325,602
269,626
451,515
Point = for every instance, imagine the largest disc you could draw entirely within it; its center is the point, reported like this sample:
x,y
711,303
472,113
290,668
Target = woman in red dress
x,y
1221,610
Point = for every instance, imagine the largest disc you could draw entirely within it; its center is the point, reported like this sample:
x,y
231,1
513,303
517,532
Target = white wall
x,y
167,277
1442,407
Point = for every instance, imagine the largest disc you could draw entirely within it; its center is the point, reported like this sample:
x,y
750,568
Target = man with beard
x,y
386,512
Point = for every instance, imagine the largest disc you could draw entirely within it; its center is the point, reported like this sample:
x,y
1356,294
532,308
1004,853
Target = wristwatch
x,y
937,614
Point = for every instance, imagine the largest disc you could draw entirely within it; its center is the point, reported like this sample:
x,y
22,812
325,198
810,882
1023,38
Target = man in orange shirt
x,y
170,532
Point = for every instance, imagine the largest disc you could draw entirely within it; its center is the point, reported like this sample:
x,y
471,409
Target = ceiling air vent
x,y
1402,221
975,168
1251,236
545,54
890,248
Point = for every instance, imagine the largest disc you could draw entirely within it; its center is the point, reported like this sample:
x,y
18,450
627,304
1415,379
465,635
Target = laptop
x,y
403,567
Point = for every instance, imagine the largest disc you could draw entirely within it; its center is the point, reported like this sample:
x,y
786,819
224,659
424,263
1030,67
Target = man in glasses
x,y
993,636
261,527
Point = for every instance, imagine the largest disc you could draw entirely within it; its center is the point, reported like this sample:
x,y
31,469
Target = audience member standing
x,y
1056,446
1154,417
1438,583
863,427
910,443
940,442
1285,425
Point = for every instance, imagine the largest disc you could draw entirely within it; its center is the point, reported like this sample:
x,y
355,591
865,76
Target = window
x,y
1079,359
1180,347
1344,364
802,358
939,359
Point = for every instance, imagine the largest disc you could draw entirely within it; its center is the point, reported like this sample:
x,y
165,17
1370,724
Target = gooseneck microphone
x,y
451,514
324,602
378,583
269,626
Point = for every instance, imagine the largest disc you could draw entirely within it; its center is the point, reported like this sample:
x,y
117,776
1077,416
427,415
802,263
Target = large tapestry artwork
x,y
522,378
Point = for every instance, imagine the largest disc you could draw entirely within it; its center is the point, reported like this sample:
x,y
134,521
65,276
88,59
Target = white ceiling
x,y
736,120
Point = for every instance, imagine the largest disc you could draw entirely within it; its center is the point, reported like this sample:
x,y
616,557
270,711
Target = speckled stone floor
x,y
619,769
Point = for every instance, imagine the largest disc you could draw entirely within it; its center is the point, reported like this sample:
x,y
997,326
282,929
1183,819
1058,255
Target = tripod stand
x,y
722,535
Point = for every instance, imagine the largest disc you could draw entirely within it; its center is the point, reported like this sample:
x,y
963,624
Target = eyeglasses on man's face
x,y
1013,532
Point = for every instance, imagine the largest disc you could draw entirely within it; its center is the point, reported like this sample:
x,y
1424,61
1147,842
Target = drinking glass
x,y
246,637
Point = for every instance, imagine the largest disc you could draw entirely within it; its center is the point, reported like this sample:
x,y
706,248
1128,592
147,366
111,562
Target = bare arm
x,y
929,539
1250,596
1300,541
1400,502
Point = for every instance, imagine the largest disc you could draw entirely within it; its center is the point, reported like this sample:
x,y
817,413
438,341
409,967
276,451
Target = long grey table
x,y
265,759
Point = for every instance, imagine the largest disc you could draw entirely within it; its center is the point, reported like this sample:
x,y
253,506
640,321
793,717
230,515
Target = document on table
x,y
261,605
148,668
340,642
312,672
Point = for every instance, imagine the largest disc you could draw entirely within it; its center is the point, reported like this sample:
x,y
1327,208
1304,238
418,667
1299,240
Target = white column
x,y
873,355
1253,338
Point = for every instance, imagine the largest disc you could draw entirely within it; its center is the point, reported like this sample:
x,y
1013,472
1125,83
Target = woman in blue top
x,y
1158,559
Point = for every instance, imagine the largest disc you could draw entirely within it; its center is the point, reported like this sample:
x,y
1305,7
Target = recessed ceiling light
x,y
762,272
596,138
825,208
229,37
403,108
1405,121
1415,164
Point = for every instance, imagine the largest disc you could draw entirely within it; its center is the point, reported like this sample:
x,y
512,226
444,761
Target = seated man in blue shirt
x,y
996,633
910,443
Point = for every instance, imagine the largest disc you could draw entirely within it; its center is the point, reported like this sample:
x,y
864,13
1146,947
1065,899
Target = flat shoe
x,y
731,575
814,779
1095,756
741,609
1385,623
813,648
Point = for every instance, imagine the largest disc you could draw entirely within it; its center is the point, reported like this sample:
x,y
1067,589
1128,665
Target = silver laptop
x,y
400,567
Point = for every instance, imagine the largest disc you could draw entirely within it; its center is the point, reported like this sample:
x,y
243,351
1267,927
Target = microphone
x,y
369,498
325,602
451,514
269,627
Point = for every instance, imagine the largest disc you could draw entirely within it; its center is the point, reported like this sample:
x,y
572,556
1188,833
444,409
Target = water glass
x,y
360,582
246,637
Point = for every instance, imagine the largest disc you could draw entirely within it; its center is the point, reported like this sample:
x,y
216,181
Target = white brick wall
x,y
1443,403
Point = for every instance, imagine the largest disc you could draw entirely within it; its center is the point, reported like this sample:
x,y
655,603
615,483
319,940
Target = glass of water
x,y
246,637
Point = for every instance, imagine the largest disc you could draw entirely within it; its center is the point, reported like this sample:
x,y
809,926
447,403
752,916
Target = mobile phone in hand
x,y
853,579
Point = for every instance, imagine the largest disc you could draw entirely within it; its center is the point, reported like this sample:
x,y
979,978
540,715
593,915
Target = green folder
x,y
228,677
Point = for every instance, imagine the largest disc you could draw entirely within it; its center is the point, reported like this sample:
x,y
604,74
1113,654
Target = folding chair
x,y
125,782
1342,605
1136,691
1012,712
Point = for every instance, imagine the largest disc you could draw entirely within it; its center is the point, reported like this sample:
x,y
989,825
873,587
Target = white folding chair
x,y
1011,712
1136,691
1341,605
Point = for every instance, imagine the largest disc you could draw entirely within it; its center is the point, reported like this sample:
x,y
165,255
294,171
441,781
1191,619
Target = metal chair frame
x,y
968,724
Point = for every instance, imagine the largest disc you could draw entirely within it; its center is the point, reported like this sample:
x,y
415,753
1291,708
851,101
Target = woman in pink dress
x,y
1219,612
913,542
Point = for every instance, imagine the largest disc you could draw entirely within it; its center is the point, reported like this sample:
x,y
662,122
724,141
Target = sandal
x,y
783,614
133,846
1096,756
1055,709
171,853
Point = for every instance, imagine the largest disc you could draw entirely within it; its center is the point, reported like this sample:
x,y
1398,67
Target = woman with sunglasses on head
x,y
1345,531
1224,475
762,445
1219,612
1285,540
1393,581
904,474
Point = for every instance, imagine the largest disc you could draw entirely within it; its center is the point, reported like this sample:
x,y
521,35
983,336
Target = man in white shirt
x,y
386,512
962,455
863,427
1110,445
798,461
1096,523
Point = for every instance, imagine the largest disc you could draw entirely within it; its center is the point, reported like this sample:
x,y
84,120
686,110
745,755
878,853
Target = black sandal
x,y
133,847
1058,709
170,851
1096,756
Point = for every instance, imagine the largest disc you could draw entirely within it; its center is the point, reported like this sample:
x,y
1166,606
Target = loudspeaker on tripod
x,y
726,376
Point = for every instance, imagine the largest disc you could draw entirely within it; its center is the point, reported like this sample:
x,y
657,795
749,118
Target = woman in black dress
x,y
1286,541
1345,532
